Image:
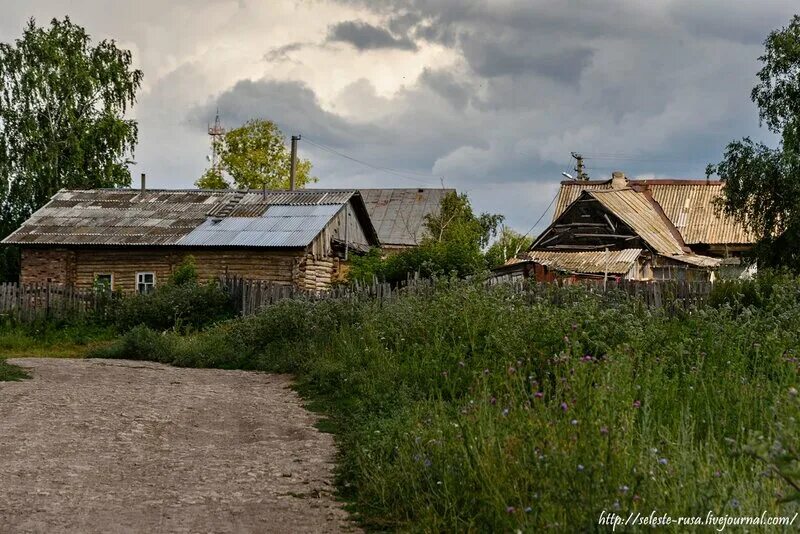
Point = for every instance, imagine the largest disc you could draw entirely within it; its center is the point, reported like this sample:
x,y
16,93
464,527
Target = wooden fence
x,y
250,296
30,302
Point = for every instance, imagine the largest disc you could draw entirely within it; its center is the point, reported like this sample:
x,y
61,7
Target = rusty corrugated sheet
x,y
636,210
170,217
594,262
689,204
399,214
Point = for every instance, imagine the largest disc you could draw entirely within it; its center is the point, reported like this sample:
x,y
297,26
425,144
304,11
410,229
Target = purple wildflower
x,y
511,370
538,394
564,406
492,401
510,509
604,430
663,461
637,403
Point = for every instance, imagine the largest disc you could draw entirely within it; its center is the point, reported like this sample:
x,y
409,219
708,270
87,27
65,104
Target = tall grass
x,y
479,409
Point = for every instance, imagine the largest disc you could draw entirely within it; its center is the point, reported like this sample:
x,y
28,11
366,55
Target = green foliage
x,y
255,156
54,339
452,246
508,244
477,409
62,106
10,372
761,189
185,273
179,306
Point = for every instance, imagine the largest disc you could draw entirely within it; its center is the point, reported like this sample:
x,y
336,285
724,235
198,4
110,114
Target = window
x,y
104,282
145,282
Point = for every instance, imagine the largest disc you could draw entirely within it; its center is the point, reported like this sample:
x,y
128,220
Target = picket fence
x,y
30,302
249,296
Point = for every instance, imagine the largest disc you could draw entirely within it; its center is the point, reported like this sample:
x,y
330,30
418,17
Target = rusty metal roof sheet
x,y
638,212
689,204
399,214
595,262
180,217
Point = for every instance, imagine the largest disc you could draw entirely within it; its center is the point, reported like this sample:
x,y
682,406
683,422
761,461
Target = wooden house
x,y
133,239
635,229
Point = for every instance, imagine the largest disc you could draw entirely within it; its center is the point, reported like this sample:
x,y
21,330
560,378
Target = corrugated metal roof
x,y
279,226
399,214
595,262
697,260
636,210
689,204
181,217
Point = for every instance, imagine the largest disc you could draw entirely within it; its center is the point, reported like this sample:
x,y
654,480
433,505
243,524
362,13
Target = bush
x,y
181,307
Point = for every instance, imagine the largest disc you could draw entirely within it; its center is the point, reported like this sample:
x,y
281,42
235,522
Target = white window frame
x,y
110,275
152,285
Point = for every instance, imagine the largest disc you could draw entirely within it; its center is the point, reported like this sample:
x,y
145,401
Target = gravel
x,y
128,446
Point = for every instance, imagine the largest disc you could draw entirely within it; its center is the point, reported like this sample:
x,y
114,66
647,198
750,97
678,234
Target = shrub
x,y
174,306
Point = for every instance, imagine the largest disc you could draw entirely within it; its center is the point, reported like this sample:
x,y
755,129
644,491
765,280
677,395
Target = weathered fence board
x,y
250,296
30,302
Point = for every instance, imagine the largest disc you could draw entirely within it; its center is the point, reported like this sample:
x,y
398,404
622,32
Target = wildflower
x,y
587,358
793,391
538,394
461,363
528,510
505,412
637,403
427,462
734,503
574,422
492,401
717,474
486,371
580,467
616,505
510,509
604,430
564,406
574,326
444,374
624,489
511,370
663,461
636,498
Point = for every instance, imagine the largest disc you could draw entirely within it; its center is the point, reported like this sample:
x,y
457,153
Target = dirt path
x,y
124,446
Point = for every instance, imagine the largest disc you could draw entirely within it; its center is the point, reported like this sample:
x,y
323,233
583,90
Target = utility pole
x,y
580,173
293,164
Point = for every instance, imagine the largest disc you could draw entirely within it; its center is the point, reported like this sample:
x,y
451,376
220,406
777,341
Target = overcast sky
x,y
490,96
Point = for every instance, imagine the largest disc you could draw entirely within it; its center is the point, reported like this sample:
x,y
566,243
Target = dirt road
x,y
125,446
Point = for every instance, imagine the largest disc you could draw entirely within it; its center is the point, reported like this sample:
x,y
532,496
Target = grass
x,y
10,372
50,340
481,410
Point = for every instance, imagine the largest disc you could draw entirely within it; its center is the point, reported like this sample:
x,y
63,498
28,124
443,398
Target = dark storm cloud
x,y
491,58
364,36
446,85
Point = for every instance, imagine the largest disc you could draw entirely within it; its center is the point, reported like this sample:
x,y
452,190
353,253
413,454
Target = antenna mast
x,y
216,133
580,173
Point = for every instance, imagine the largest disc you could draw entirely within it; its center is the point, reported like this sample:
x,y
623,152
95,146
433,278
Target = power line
x,y
542,215
396,172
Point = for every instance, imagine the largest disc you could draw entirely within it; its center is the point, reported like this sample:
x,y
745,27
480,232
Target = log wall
x,y
80,266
